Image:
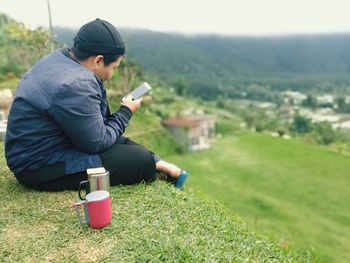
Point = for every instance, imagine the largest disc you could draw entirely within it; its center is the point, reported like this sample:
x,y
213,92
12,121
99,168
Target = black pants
x,y
127,162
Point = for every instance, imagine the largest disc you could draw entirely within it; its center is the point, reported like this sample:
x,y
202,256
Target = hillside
x,y
151,223
294,192
228,65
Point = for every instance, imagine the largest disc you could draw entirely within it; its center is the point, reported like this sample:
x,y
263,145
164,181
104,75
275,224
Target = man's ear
x,y
98,59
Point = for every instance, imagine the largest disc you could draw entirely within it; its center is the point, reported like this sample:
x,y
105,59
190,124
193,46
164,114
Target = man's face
x,y
106,72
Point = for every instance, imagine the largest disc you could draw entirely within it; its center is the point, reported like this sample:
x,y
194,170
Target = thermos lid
x,y
97,196
99,170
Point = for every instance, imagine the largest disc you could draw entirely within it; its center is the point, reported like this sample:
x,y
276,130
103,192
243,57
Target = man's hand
x,y
133,105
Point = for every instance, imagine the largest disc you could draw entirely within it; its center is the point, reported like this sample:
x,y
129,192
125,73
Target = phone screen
x,y
140,91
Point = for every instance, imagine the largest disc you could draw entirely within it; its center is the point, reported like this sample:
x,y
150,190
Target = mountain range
x,y
232,63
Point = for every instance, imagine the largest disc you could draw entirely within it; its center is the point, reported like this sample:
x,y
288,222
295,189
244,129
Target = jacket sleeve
x,y
77,112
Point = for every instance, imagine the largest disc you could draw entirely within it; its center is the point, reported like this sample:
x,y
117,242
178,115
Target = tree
x,y
324,133
21,47
301,124
342,105
310,101
180,86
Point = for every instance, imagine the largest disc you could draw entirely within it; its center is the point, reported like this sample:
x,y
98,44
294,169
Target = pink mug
x,y
97,207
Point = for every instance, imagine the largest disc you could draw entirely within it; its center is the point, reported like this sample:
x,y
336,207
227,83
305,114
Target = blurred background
x,y
252,97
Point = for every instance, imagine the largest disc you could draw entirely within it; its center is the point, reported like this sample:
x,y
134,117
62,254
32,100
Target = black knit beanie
x,y
99,37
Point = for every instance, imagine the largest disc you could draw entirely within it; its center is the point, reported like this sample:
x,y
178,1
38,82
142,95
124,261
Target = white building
x,y
325,99
315,118
192,133
345,125
294,97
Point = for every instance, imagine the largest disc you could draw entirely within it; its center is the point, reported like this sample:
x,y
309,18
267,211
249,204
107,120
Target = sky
x,y
228,17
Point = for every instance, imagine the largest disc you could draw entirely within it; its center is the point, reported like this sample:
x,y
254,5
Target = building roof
x,y
186,121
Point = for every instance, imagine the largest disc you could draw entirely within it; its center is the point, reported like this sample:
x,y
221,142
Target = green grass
x,y
296,193
151,223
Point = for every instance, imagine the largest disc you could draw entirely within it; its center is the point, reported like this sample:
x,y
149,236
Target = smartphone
x,y
140,91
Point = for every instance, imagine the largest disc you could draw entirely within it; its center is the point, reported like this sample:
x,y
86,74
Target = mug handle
x,y
76,206
86,182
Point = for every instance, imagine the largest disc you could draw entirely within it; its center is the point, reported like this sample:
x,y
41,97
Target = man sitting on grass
x,y
60,123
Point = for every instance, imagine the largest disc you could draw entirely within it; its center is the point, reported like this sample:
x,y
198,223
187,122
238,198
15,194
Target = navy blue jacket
x,y
60,114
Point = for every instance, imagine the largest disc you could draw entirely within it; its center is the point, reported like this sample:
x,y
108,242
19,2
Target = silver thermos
x,y
98,179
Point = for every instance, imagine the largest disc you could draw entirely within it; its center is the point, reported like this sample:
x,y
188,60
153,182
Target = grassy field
x,y
151,223
298,194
